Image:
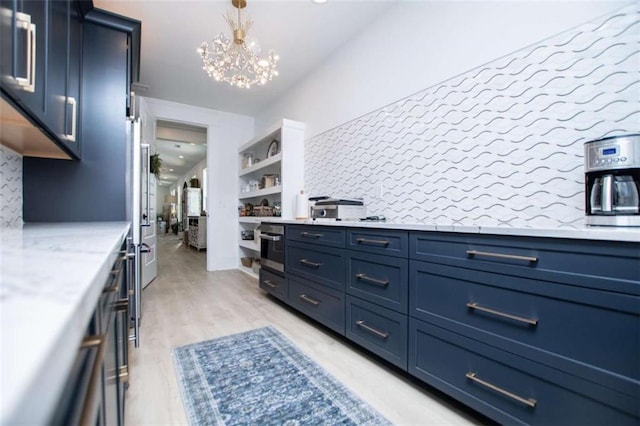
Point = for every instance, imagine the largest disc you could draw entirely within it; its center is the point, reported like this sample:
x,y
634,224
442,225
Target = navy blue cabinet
x,y
379,241
315,266
24,47
380,330
273,284
41,66
322,303
94,188
317,263
507,388
525,330
63,72
518,311
378,279
322,235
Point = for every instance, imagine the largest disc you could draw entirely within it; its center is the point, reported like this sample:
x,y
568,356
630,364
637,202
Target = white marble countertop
x,y
52,276
609,233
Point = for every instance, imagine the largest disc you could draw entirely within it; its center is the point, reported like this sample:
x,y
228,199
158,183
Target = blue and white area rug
x,y
260,378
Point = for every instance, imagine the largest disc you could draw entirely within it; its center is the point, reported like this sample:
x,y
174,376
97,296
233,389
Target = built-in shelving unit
x,y
257,183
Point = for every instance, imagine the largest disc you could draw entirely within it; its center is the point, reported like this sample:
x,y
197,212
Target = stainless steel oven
x,y
272,246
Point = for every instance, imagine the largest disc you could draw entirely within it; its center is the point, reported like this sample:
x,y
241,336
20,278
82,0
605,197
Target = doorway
x,y
182,181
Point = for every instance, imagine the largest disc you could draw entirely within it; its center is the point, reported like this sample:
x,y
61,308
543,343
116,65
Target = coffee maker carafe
x,y
612,181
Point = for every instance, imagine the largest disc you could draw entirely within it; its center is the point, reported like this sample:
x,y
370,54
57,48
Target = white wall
x,y
416,45
225,132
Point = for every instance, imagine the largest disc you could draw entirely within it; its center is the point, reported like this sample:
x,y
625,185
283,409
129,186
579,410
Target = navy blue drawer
x,y
379,241
580,324
491,381
324,235
382,331
378,279
273,284
320,303
322,264
603,265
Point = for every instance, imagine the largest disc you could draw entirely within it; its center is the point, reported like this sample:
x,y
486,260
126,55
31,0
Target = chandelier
x,y
238,61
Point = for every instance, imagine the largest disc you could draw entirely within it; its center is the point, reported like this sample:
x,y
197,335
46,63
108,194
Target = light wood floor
x,y
186,304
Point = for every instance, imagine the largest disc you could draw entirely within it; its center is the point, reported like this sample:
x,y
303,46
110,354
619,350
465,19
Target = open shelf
x,y
261,192
250,244
261,165
248,271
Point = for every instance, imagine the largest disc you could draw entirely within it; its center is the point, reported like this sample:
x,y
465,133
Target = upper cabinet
x,y
40,57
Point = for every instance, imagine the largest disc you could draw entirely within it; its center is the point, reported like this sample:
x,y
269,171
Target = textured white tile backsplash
x,y
499,145
10,188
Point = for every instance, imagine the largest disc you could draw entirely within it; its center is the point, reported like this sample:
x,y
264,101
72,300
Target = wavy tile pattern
x,y
10,189
500,145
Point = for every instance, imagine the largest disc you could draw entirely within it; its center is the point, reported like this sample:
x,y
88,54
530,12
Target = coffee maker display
x,y
612,181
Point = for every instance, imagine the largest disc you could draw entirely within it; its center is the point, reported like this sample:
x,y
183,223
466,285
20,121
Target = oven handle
x,y
270,237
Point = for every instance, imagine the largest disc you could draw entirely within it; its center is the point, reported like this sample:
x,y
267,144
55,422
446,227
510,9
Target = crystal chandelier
x,y
237,61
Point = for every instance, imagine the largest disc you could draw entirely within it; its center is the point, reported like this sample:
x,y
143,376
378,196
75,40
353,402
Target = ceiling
x,y
303,33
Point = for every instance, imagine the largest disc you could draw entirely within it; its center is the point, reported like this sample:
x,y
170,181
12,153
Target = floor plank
x,y
186,304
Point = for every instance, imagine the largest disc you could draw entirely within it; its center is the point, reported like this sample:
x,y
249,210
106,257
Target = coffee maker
x,y
612,181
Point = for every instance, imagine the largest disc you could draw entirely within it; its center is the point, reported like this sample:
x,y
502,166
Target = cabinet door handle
x,y
363,277
310,235
380,334
372,242
121,305
123,375
305,262
71,136
270,284
526,401
28,83
111,289
92,342
477,307
310,300
502,256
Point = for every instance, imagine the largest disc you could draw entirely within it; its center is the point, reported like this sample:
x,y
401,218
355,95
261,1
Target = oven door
x,y
272,247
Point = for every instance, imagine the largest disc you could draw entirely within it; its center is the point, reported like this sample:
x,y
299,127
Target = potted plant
x,y
155,162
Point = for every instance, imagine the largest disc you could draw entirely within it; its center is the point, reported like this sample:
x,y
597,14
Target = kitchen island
x,y
52,277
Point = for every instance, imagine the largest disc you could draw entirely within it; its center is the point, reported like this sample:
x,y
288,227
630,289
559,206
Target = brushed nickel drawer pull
x,y
310,235
526,401
502,256
372,242
502,314
270,284
94,386
305,262
121,305
91,342
123,375
309,300
380,334
363,277
111,289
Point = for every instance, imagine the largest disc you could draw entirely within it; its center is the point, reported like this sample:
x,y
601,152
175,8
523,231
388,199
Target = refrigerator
x,y
192,199
139,215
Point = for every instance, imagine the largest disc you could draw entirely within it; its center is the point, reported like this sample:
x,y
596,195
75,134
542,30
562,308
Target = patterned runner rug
x,y
259,377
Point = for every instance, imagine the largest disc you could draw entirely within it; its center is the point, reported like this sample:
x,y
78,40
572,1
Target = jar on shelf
x,y
247,160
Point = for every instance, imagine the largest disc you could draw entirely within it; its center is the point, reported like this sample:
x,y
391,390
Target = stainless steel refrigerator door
x,y
134,215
